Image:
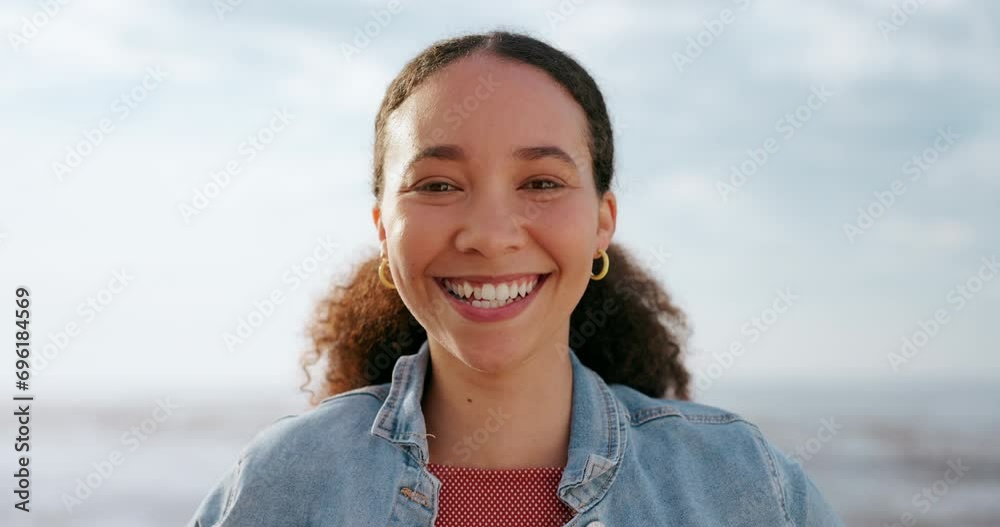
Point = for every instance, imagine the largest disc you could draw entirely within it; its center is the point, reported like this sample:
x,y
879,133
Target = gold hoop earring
x,y
607,265
381,274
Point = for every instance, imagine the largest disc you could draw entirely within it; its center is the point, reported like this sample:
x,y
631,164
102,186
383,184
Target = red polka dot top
x,y
475,497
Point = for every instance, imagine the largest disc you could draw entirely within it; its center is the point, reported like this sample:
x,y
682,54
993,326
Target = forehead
x,y
488,106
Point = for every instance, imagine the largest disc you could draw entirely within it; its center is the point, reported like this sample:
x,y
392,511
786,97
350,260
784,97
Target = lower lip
x,y
478,314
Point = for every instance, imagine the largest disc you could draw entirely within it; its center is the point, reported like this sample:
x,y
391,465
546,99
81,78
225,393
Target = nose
x,y
493,224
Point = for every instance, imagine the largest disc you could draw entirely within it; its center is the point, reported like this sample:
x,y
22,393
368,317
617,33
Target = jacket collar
x,y
597,430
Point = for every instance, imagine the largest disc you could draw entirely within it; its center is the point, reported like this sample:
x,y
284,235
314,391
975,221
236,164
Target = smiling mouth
x,y
487,295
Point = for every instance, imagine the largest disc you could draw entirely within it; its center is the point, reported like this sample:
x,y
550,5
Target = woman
x,y
480,371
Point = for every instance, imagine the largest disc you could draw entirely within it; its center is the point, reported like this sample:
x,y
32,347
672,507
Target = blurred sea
x,y
883,445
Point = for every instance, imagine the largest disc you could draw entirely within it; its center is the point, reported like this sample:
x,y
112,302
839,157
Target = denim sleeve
x,y
216,504
242,478
804,503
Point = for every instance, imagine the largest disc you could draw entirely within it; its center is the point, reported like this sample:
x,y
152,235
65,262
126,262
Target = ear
x,y
607,219
379,228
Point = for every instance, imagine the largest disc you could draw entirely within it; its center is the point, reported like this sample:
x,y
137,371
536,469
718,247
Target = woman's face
x,y
489,190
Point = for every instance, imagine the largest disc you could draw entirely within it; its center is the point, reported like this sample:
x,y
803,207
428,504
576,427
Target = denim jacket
x,y
359,459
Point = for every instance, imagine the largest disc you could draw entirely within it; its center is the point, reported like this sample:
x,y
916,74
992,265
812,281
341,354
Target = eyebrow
x,y
527,153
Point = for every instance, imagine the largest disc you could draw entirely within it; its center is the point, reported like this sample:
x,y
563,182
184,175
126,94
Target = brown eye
x,y
435,186
544,184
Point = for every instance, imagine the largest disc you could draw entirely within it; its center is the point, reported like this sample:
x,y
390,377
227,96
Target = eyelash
x,y
555,185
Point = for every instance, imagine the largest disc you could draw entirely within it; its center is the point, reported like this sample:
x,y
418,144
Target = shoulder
x,y
695,434
347,415
707,440
289,462
642,408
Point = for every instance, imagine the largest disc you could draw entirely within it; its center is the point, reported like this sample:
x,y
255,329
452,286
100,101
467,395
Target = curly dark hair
x,y
625,327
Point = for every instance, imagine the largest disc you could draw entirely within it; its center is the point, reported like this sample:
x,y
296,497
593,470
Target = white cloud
x,y
330,80
978,160
597,24
934,234
689,190
841,42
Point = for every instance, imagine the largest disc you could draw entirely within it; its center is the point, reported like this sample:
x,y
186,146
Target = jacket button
x,y
595,524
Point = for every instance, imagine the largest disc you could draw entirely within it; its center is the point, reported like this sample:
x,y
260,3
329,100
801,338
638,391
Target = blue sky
x,y
682,123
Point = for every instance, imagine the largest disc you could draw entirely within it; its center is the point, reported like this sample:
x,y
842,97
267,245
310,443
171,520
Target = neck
x,y
512,419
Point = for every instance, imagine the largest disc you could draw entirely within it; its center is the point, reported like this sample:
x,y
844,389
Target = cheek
x,y
415,243
415,225
567,230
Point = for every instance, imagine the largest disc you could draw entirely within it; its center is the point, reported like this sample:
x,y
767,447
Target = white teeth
x,y
492,295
